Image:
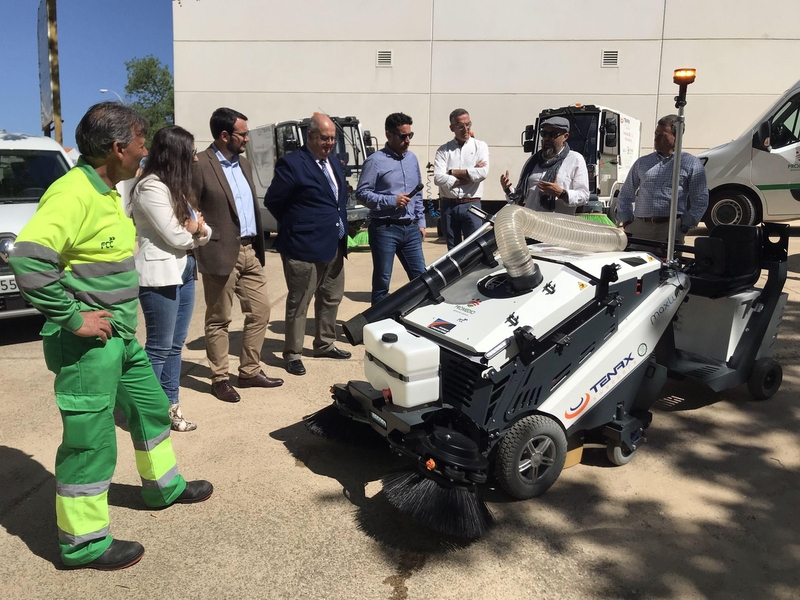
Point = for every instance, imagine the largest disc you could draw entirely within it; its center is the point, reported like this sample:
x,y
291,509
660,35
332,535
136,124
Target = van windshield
x,y
26,174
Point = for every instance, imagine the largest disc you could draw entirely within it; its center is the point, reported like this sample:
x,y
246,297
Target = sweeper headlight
x,y
684,76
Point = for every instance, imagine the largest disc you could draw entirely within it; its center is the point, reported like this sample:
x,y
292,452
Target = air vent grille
x,y
610,59
384,58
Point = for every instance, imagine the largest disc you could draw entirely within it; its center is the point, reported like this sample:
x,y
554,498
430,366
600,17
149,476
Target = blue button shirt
x,y
385,175
242,194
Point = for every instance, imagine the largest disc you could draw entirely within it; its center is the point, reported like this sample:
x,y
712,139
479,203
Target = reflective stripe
x,y
87,270
150,444
153,464
162,481
37,279
74,540
82,516
34,250
80,490
108,298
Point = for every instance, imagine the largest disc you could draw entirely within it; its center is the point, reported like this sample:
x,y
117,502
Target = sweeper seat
x,y
727,261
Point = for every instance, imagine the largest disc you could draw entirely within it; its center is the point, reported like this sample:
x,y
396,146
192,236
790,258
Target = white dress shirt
x,y
452,155
572,176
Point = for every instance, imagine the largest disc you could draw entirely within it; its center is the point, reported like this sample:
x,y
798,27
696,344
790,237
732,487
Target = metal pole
x,y
54,75
680,102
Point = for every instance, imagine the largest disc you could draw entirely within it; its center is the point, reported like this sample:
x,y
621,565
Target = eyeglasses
x,y
194,153
242,134
463,126
404,136
552,134
325,138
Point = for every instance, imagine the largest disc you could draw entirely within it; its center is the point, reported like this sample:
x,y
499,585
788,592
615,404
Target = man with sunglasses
x,y
233,260
555,178
459,169
397,219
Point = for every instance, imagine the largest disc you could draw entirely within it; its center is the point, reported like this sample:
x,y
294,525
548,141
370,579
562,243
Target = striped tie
x,y
342,230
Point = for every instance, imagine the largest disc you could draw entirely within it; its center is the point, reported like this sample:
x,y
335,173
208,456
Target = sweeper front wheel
x,y
530,456
618,455
765,379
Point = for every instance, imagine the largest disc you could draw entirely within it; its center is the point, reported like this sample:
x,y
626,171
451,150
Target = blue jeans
x,y
386,240
457,222
167,312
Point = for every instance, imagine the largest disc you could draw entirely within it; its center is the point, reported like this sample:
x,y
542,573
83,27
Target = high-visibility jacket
x,y
76,254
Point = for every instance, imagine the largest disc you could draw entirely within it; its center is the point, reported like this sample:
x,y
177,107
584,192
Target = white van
x,y
28,165
756,177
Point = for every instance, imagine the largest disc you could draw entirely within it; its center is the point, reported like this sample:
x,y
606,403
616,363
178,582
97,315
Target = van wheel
x,y
729,208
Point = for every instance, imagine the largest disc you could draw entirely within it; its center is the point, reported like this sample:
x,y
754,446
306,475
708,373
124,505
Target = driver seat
x,y
727,261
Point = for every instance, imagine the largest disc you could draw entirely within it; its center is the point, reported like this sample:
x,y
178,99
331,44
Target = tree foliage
x,y
151,92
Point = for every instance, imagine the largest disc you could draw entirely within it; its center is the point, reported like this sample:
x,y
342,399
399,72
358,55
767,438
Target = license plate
x,y
8,284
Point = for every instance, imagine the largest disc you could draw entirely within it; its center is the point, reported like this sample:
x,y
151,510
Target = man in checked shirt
x,y
649,186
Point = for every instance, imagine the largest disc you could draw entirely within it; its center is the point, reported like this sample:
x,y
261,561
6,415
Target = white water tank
x,y
401,364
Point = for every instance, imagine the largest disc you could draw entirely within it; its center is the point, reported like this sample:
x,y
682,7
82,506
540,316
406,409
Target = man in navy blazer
x,y
308,197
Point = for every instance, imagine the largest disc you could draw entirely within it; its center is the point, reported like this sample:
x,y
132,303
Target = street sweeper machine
x,y
505,358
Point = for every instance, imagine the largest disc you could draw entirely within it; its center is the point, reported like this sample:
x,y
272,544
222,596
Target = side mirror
x,y
761,138
610,139
528,143
368,147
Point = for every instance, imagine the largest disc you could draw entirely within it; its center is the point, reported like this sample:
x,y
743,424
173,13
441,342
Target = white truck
x,y
269,142
756,177
609,140
28,165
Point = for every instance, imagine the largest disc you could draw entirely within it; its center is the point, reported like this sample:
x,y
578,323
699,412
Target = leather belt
x,y
247,240
190,253
402,222
655,219
461,200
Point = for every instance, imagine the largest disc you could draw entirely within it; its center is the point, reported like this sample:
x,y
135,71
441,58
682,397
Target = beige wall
x,y
504,61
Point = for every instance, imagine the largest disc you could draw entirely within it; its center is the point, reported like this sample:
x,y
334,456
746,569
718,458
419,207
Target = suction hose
x,y
514,223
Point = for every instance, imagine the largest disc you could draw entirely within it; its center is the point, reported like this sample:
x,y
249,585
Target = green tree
x,y
151,92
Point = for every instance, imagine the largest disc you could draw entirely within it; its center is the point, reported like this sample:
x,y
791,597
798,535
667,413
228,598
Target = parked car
x,y
28,165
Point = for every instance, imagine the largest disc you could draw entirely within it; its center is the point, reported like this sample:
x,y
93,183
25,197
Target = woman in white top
x,y
168,227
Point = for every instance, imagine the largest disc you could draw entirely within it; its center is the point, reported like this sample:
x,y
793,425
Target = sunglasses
x,y
404,136
242,134
552,134
463,127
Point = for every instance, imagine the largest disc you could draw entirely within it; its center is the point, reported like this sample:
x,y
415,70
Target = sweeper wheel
x,y
765,379
530,456
618,455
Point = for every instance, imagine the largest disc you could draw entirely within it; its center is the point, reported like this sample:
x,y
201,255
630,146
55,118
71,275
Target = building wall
x,y
504,61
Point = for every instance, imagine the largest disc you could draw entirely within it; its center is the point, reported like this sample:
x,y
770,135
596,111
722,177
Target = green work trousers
x,y
91,379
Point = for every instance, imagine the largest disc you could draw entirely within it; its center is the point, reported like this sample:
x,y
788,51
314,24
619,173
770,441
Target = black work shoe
x,y
334,352
295,367
196,491
119,555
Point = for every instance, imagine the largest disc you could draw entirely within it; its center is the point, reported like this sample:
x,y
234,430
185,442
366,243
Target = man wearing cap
x,y
555,178
459,169
649,185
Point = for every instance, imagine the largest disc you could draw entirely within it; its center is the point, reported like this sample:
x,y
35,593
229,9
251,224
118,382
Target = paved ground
x,y
708,509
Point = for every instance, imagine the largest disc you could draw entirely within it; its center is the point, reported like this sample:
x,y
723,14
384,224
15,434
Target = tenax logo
x,y
605,379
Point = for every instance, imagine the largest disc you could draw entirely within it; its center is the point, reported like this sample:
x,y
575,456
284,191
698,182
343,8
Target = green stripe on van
x,y
779,186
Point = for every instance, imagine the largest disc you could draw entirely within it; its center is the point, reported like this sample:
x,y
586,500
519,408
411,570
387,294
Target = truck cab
x,y
28,165
756,177
270,142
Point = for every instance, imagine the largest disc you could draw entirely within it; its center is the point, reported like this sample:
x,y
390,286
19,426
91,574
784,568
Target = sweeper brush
x,y
503,359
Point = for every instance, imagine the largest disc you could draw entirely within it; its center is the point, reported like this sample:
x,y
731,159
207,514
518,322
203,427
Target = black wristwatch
x,y
564,195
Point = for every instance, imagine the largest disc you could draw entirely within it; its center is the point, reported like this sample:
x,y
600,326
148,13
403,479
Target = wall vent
x,y
383,58
610,59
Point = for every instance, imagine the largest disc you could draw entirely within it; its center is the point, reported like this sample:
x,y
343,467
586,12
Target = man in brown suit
x,y
233,260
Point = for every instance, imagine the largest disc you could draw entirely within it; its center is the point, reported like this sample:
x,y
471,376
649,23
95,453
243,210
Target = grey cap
x,y
557,122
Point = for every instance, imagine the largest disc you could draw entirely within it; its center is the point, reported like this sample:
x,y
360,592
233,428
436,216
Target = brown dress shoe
x,y
260,380
224,391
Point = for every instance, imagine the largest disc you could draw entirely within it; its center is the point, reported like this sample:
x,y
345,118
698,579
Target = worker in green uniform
x,y
74,262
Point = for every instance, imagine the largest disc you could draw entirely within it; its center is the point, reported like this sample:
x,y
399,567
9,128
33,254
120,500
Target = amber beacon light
x,y
684,76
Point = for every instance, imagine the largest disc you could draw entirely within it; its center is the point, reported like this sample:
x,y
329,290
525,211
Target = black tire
x,y
531,456
618,455
765,379
728,207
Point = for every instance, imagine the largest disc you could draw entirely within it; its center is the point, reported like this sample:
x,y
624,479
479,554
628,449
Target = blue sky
x,y
95,38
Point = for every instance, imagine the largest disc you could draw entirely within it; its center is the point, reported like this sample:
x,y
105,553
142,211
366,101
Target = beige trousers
x,y
325,283
249,282
654,231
